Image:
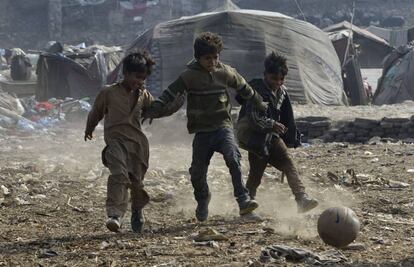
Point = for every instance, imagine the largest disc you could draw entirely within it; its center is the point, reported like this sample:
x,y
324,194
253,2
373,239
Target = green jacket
x,y
208,104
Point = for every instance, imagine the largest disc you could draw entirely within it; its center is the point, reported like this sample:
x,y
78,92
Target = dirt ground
x,y
53,188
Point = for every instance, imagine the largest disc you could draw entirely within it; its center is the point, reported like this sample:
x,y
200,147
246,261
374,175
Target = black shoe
x,y
202,209
113,224
137,221
248,206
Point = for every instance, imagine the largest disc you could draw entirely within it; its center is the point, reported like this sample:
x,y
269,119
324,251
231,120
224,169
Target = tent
x,y
226,6
372,48
396,84
75,74
394,37
249,35
410,35
351,75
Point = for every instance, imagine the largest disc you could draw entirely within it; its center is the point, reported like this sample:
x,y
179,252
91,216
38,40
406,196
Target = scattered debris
x,y
355,246
278,252
212,244
377,240
104,245
209,234
48,254
5,190
397,184
73,207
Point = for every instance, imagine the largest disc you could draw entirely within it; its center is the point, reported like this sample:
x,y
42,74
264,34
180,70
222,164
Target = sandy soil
x,y
54,186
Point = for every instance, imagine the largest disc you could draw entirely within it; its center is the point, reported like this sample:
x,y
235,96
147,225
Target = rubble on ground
x,y
28,115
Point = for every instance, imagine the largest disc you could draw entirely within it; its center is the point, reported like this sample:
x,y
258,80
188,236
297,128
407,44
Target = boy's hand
x,y
262,106
88,136
279,128
146,118
175,105
151,113
157,110
257,101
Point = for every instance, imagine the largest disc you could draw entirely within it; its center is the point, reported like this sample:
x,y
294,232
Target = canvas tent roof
x,y
396,85
347,25
373,48
249,35
393,37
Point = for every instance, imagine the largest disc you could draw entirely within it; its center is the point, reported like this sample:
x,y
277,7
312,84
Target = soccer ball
x,y
338,226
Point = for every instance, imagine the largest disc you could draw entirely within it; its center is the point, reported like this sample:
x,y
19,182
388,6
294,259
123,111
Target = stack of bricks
x,y
357,131
361,130
313,127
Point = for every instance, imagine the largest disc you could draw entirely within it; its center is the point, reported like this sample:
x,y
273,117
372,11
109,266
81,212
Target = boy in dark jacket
x,y
266,135
206,82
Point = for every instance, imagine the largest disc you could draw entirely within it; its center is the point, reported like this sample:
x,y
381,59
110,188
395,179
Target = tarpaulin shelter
x,y
410,34
395,37
392,36
396,84
249,35
351,72
372,48
75,74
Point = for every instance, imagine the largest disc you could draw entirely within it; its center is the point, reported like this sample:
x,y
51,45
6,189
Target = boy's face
x,y
209,61
135,80
274,80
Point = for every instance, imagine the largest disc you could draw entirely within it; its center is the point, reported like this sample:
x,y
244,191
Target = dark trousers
x,y
280,159
204,146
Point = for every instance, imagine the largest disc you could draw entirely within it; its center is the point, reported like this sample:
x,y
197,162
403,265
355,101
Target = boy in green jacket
x,y
206,82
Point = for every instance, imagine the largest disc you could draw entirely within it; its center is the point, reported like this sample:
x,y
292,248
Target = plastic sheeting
x,y
372,48
11,103
74,75
393,37
397,83
249,35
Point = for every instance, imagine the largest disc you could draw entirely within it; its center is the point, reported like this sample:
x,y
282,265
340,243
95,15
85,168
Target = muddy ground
x,y
53,192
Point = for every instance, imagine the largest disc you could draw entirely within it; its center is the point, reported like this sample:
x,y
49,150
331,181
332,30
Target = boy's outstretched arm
x,y
245,91
169,102
95,115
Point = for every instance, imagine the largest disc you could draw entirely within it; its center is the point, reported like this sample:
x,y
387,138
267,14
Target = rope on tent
x,y
300,10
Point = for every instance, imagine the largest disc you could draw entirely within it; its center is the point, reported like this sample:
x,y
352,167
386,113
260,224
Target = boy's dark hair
x,y
140,61
276,63
207,43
